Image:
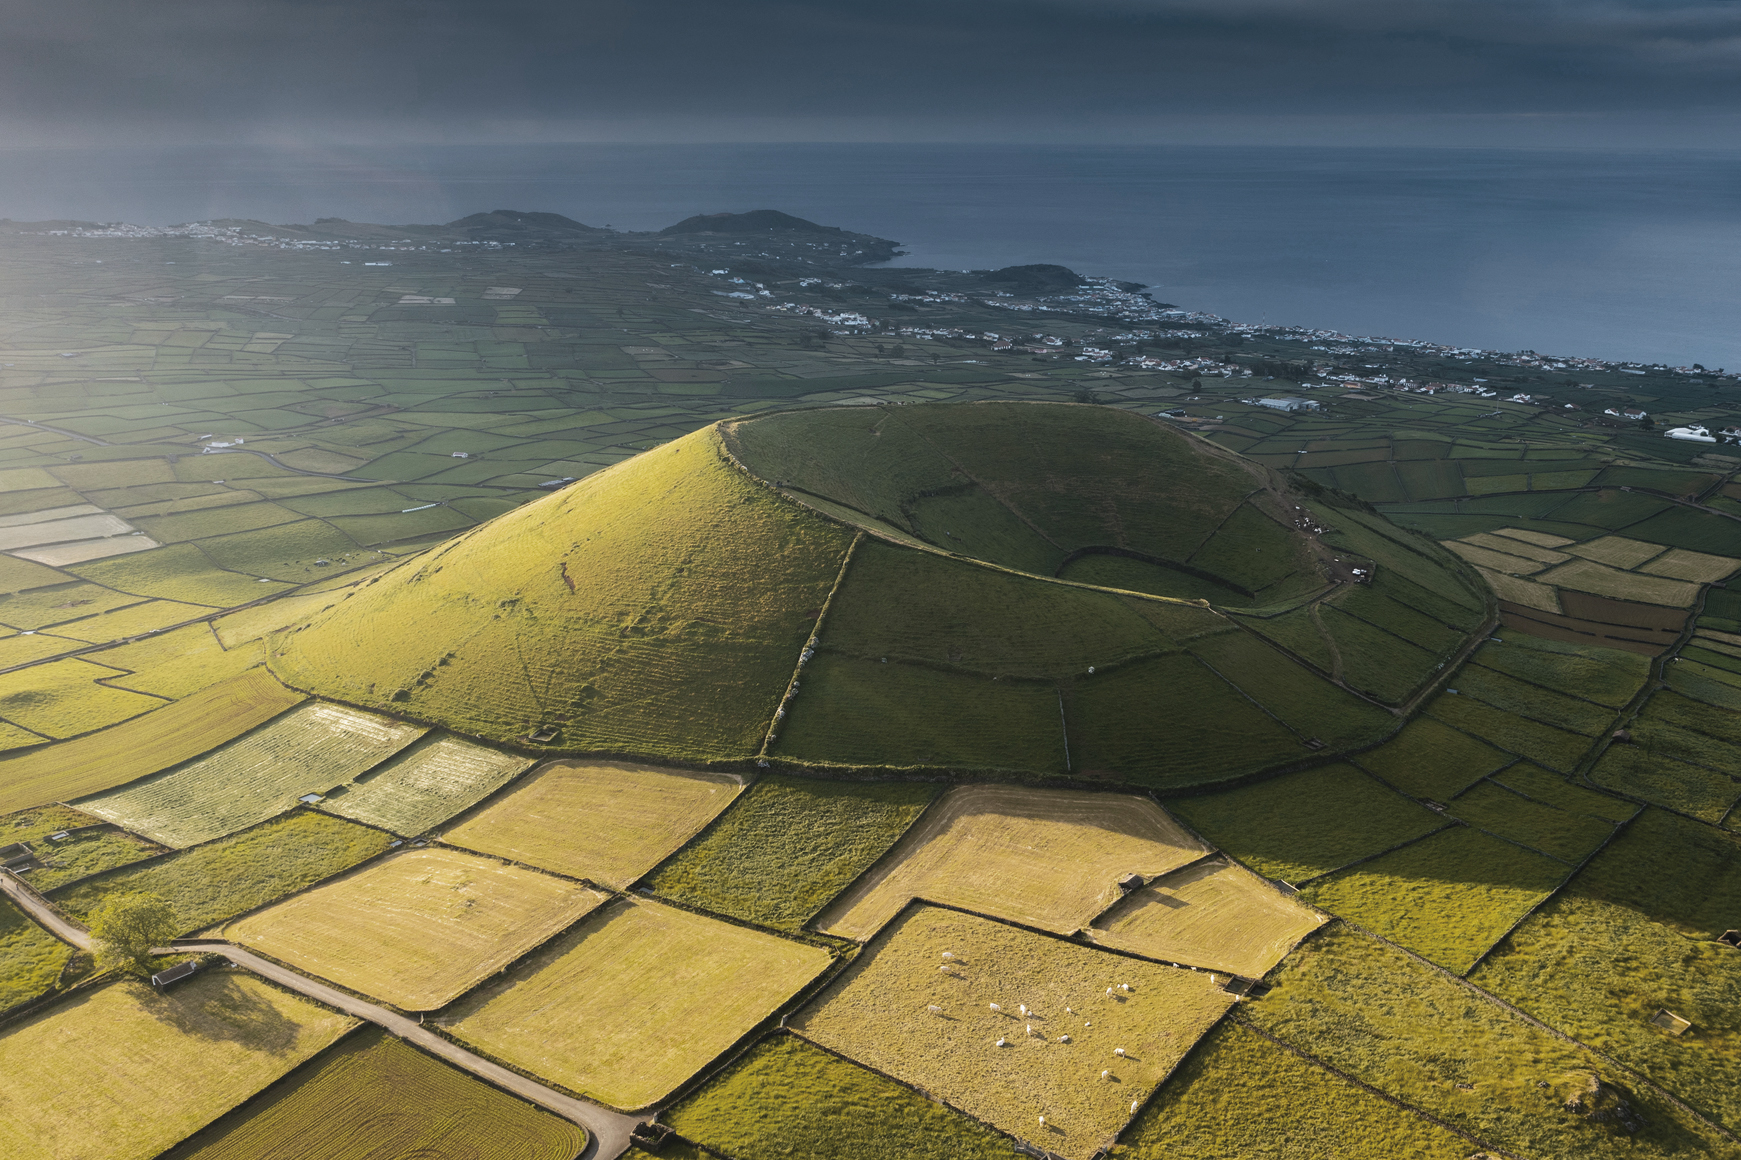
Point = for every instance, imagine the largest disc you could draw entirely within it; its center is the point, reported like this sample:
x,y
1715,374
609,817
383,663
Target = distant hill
x,y
1036,279
1008,588
512,225
757,221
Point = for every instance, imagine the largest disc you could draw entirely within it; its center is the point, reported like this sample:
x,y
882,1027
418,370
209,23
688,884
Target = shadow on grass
x,y
215,1006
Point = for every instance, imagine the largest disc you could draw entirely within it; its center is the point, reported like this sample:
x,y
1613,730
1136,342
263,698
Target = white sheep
x,y
1090,1023
1063,1039
1030,1029
1125,987
1134,1105
1023,1008
1002,1042
949,955
1069,1010
1042,1121
944,968
934,1009
1109,992
1118,1051
994,1006
1106,1073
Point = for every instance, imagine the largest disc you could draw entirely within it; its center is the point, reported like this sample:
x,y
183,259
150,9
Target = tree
x,y
1086,395
128,927
1647,423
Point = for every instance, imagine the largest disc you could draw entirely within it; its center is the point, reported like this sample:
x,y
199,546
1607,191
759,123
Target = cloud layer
x,y
91,70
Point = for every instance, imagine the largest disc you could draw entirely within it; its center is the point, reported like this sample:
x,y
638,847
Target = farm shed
x,y
174,974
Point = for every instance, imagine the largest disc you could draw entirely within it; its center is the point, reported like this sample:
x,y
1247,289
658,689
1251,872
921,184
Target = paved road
x,y
607,1130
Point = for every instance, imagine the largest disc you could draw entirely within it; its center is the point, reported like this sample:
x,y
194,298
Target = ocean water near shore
x,y
1624,256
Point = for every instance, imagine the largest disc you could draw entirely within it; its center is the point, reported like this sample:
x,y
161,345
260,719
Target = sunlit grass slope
x,y
656,607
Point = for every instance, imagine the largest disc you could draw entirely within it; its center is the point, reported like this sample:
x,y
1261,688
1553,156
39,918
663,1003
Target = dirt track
x,y
607,1131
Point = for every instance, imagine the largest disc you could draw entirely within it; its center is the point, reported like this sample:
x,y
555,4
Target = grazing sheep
x,y
1109,992
994,1006
934,1009
1106,1073
1069,1010
1030,1029
1023,1008
1118,1051
1002,1042
1063,1039
1125,987
949,955
1042,1121
1089,1024
1134,1105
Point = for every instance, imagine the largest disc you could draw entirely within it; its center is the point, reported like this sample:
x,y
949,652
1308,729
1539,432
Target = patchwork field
x,y
1047,858
426,784
218,880
605,821
94,848
786,1096
789,845
1601,972
122,1072
31,959
374,1095
58,699
310,749
1564,833
1241,1095
634,1000
1213,914
1448,897
1304,825
417,928
1431,760
896,1011
1394,1023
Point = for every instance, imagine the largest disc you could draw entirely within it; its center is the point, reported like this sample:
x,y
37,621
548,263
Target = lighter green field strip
x,y
425,785
311,749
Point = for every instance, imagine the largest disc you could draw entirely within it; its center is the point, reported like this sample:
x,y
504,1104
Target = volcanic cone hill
x,y
1036,590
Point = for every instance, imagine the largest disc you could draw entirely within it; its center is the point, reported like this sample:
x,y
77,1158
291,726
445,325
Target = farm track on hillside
x,y
607,1130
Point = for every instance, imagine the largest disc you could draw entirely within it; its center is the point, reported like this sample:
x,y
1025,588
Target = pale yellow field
x,y
418,928
1214,914
1540,539
1520,591
1618,551
123,1072
1497,561
635,1000
879,1013
604,821
1589,576
256,623
1696,566
1049,858
1515,547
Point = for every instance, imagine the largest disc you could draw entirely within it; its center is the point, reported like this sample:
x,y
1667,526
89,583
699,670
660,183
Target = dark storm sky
x,y
1464,71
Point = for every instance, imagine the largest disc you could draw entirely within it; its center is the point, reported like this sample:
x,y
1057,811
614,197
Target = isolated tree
x,y
1086,395
128,927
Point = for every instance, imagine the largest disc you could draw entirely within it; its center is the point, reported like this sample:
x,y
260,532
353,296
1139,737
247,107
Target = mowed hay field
x,y
144,745
1045,857
417,928
376,1096
654,607
425,785
879,1013
1214,914
605,821
310,749
122,1072
635,1000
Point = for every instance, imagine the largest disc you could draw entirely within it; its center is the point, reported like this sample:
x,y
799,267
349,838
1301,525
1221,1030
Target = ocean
x,y
1623,256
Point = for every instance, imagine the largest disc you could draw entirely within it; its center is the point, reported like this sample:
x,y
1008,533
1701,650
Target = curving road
x,y
607,1130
